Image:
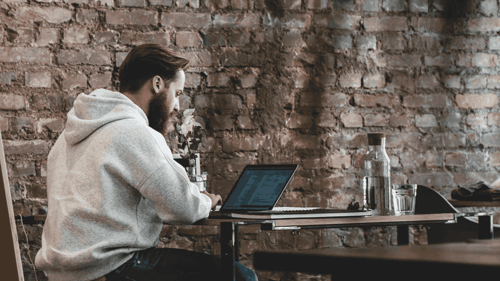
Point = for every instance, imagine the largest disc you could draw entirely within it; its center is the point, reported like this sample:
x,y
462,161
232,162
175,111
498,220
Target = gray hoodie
x,y
111,184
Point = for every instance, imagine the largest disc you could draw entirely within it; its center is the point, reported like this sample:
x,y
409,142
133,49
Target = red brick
x,y
477,60
300,79
475,82
92,57
350,80
451,81
238,39
483,25
490,140
22,54
403,60
426,121
323,100
450,119
131,17
419,6
86,17
193,80
7,77
54,15
218,80
325,80
239,4
339,161
139,38
432,180
293,39
371,5
22,35
326,120
439,60
4,124
493,81
167,3
191,20
221,122
24,169
435,25
39,79
346,22
12,102
433,159
192,3
248,80
106,37
376,120
202,58
377,100
393,42
188,39
394,5
374,81
100,80
495,159
467,43
400,121
21,123
22,147
427,82
76,35
307,142
403,82
477,101
475,120
73,81
242,144
238,20
386,24
218,101
494,119
292,21
425,42
120,56
431,101
133,3
296,121
398,140
244,122
316,4
351,120
411,159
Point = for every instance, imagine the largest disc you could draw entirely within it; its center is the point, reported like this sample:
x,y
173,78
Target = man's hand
x,y
214,197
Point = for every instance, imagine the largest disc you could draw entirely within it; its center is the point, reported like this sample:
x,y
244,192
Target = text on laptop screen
x,y
257,189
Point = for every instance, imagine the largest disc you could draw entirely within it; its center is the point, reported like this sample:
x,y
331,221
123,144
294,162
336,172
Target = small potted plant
x,y
190,133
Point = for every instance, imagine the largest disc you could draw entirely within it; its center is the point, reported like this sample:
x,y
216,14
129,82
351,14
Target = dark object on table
x,y
353,206
429,201
479,191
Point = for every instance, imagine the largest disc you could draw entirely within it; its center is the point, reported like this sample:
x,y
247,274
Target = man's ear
x,y
157,84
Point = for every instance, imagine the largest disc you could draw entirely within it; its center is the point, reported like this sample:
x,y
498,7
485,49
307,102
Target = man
x,y
112,183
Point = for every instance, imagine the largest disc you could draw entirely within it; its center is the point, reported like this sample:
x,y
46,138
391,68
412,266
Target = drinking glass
x,y
403,198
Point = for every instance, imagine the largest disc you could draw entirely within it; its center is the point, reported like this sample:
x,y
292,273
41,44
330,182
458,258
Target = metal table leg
x,y
403,234
229,253
485,227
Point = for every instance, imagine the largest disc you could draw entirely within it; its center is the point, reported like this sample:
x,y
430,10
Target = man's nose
x,y
176,105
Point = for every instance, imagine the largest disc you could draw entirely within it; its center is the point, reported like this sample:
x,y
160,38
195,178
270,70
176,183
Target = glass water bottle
x,y
377,177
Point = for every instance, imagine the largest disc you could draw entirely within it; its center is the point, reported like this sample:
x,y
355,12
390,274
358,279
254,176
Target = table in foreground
x,y
454,261
229,229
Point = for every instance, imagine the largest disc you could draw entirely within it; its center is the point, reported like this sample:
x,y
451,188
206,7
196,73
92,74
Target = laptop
x,y
258,189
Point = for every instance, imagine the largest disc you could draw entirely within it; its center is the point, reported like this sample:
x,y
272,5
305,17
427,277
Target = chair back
x,y
11,267
429,201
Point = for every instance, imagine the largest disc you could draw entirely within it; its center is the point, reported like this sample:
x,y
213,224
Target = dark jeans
x,y
174,264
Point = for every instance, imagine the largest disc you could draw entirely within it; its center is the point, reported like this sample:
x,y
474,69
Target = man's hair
x,y
146,61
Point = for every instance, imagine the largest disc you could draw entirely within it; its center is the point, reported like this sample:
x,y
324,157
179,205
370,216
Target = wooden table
x,y
229,228
464,203
453,261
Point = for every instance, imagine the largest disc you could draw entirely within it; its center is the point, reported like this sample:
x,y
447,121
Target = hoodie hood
x,y
90,112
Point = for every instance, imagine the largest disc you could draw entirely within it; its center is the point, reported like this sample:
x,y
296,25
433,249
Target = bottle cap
x,y
375,138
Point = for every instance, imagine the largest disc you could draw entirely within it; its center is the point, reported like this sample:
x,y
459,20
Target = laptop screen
x,y
259,187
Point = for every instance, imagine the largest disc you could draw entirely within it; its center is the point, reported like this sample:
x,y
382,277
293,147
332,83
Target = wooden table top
x,y
460,203
482,256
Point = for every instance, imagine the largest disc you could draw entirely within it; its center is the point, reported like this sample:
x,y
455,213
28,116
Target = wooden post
x,y
11,266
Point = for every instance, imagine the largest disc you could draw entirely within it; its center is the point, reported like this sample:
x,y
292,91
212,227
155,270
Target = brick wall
x,y
282,81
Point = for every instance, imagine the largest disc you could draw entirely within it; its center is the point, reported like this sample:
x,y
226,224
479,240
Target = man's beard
x,y
158,114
